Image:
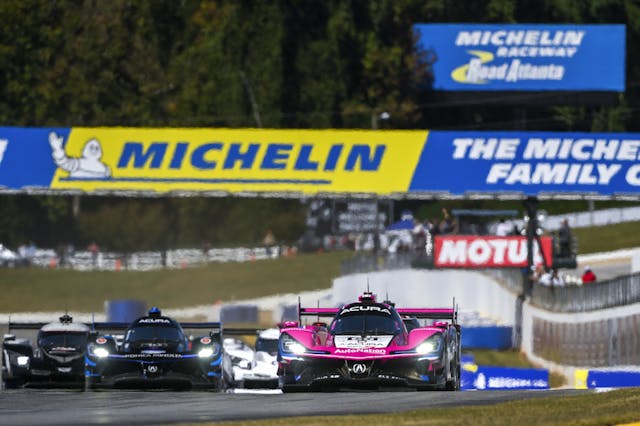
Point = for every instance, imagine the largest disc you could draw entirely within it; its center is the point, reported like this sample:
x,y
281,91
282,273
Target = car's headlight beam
x,y
289,344
205,353
101,352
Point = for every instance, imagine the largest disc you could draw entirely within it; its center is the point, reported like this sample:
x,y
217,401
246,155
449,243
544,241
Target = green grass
x,y
610,408
40,289
607,238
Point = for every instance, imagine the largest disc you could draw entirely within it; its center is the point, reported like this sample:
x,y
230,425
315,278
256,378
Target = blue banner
x,y
612,379
530,163
524,57
503,378
490,337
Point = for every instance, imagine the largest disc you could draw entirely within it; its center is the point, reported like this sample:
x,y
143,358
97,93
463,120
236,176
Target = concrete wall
x,y
472,290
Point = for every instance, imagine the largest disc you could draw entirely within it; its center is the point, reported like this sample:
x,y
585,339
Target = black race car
x,y
155,352
56,359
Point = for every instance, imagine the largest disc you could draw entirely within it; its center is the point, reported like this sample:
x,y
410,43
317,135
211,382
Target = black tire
x,y
12,383
454,383
88,384
295,388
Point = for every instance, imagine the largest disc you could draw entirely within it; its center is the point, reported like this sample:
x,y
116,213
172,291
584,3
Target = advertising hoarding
x,y
525,57
395,164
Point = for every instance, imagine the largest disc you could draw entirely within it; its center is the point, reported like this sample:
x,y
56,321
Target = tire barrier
x,y
126,310
494,337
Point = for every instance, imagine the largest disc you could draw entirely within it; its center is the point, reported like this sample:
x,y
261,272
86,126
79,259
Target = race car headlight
x,y
101,352
289,344
23,360
430,345
426,347
205,352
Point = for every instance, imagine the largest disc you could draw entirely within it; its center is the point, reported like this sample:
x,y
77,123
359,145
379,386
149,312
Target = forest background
x,y
265,64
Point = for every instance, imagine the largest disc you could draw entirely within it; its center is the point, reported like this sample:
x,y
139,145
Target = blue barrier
x,y
612,379
124,310
502,378
493,337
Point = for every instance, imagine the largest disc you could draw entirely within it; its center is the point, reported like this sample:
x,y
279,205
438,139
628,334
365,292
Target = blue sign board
x,y
504,378
529,163
612,379
525,57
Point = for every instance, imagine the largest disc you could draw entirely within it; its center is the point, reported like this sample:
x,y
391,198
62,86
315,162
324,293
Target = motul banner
x,y
473,251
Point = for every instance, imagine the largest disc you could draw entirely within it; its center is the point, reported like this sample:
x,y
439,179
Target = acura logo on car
x,y
152,369
359,368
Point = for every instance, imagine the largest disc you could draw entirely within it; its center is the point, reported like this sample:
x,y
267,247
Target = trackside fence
x,y
619,291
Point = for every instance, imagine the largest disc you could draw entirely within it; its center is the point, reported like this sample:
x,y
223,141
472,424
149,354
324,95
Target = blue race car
x,y
155,352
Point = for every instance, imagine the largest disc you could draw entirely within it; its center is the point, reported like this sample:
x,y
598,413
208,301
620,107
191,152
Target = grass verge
x,y
610,408
33,289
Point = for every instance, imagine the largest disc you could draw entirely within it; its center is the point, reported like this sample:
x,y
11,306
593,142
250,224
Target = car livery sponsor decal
x,y
154,321
365,308
101,340
343,351
205,340
361,342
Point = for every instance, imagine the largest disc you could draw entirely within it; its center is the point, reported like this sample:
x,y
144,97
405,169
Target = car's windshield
x,y
369,322
154,333
62,339
267,345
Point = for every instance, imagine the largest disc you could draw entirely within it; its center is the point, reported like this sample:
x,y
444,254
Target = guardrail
x,y
619,291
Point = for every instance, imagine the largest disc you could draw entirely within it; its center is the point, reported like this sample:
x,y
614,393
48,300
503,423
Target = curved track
x,y
68,407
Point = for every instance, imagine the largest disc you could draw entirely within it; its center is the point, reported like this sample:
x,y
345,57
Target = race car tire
x,y
454,383
88,384
12,383
295,388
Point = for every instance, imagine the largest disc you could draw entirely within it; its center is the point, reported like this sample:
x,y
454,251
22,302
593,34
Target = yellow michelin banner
x,y
235,160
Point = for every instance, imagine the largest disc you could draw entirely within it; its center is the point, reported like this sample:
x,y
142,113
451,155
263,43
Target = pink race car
x,y
368,345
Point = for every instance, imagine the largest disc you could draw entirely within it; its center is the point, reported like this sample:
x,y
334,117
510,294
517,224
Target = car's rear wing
x,y
449,314
430,313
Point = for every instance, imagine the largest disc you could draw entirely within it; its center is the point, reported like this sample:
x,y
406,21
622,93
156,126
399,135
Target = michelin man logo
x,y
86,166
480,382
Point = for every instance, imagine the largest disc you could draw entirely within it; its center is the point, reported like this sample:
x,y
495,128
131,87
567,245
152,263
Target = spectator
x,y
537,273
564,237
551,278
589,276
503,229
94,250
269,241
446,224
419,234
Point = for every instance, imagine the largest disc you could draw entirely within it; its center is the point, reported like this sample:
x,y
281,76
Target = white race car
x,y
264,370
242,357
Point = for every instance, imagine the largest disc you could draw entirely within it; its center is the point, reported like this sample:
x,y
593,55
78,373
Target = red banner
x,y
473,251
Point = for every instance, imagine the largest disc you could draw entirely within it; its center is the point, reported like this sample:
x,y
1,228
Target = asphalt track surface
x,y
71,407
